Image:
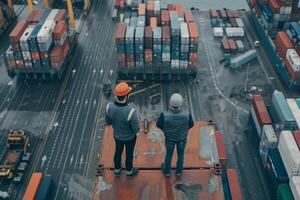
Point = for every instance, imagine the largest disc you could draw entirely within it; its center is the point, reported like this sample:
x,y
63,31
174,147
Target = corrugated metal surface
x,y
201,150
289,152
284,192
234,185
221,148
151,184
268,141
295,110
295,186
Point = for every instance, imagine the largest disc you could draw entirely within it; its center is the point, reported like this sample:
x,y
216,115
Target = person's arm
x,y
191,121
160,121
107,118
134,122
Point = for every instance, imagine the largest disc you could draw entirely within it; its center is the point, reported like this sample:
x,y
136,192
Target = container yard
x,y
236,69
41,46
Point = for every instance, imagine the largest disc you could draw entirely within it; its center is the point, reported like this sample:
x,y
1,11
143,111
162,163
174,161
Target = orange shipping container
x,y
234,185
17,32
142,9
153,22
194,36
33,186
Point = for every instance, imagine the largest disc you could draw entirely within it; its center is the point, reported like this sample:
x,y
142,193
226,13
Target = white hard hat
x,y
176,100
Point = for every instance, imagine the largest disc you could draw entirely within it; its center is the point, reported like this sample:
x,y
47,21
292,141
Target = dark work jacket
x,y
175,124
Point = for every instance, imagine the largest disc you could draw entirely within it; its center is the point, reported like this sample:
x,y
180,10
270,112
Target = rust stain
x,y
151,184
150,149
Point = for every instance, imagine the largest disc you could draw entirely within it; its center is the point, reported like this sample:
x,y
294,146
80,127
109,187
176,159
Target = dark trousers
x,y
129,145
170,146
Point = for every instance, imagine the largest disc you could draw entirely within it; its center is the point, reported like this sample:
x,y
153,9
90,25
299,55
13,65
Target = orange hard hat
x,y
122,89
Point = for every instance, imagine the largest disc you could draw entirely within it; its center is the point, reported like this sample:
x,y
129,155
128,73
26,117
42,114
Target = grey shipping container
x,y
139,35
141,21
130,34
184,31
240,45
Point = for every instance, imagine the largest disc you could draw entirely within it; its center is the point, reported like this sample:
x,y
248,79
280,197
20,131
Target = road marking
x,y
56,124
94,102
10,83
81,160
44,158
64,101
86,101
71,160
77,102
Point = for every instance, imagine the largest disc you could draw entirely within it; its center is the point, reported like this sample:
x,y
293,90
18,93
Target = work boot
x,y
178,173
117,172
133,172
162,167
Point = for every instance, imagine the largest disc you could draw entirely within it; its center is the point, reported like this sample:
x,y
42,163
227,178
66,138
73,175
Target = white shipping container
x,y
256,123
166,57
156,6
218,31
289,153
175,64
185,36
268,141
26,55
294,59
183,64
24,38
240,22
52,14
235,32
295,110
295,187
46,31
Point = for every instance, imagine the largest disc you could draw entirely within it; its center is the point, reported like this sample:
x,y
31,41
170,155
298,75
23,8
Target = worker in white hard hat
x,y
175,123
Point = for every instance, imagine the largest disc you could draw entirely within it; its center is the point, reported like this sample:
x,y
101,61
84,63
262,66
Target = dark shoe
x,y
178,174
117,172
162,167
133,172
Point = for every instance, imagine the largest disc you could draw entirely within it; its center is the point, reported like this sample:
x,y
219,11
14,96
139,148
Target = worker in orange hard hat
x,y
124,121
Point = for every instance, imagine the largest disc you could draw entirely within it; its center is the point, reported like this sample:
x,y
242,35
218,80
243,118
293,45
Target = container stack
x,y
40,45
280,151
6,17
163,40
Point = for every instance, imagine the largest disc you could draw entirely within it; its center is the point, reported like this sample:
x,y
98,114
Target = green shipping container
x,y
284,192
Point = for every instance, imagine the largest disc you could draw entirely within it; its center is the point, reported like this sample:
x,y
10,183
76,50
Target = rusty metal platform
x,y
151,184
201,150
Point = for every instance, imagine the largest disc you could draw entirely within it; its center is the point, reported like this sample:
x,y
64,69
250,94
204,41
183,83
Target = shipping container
x,y
45,189
295,186
268,141
232,45
218,31
188,16
282,44
234,186
33,186
225,45
235,32
17,32
240,45
120,33
284,192
193,31
296,135
289,152
276,171
213,14
295,111
243,59
24,39
165,18
142,9
221,148
281,113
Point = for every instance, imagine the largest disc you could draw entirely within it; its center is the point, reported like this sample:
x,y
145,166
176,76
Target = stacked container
x,y
139,48
194,38
295,110
290,153
268,141
157,48
175,40
129,47
166,48
120,44
148,49
295,186
184,46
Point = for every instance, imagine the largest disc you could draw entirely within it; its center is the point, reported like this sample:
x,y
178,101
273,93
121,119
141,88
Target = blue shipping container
x,y
275,169
44,192
268,13
295,29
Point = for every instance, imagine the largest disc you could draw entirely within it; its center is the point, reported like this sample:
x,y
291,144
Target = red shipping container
x,y
274,6
35,56
194,36
31,15
61,15
223,14
235,14
17,32
261,110
282,43
179,9
296,135
148,37
171,7
188,16
193,57
213,13
56,55
129,57
165,18
166,35
229,13
234,185
232,44
59,30
225,44
294,75
66,48
130,65
148,55
120,33
221,148
252,3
